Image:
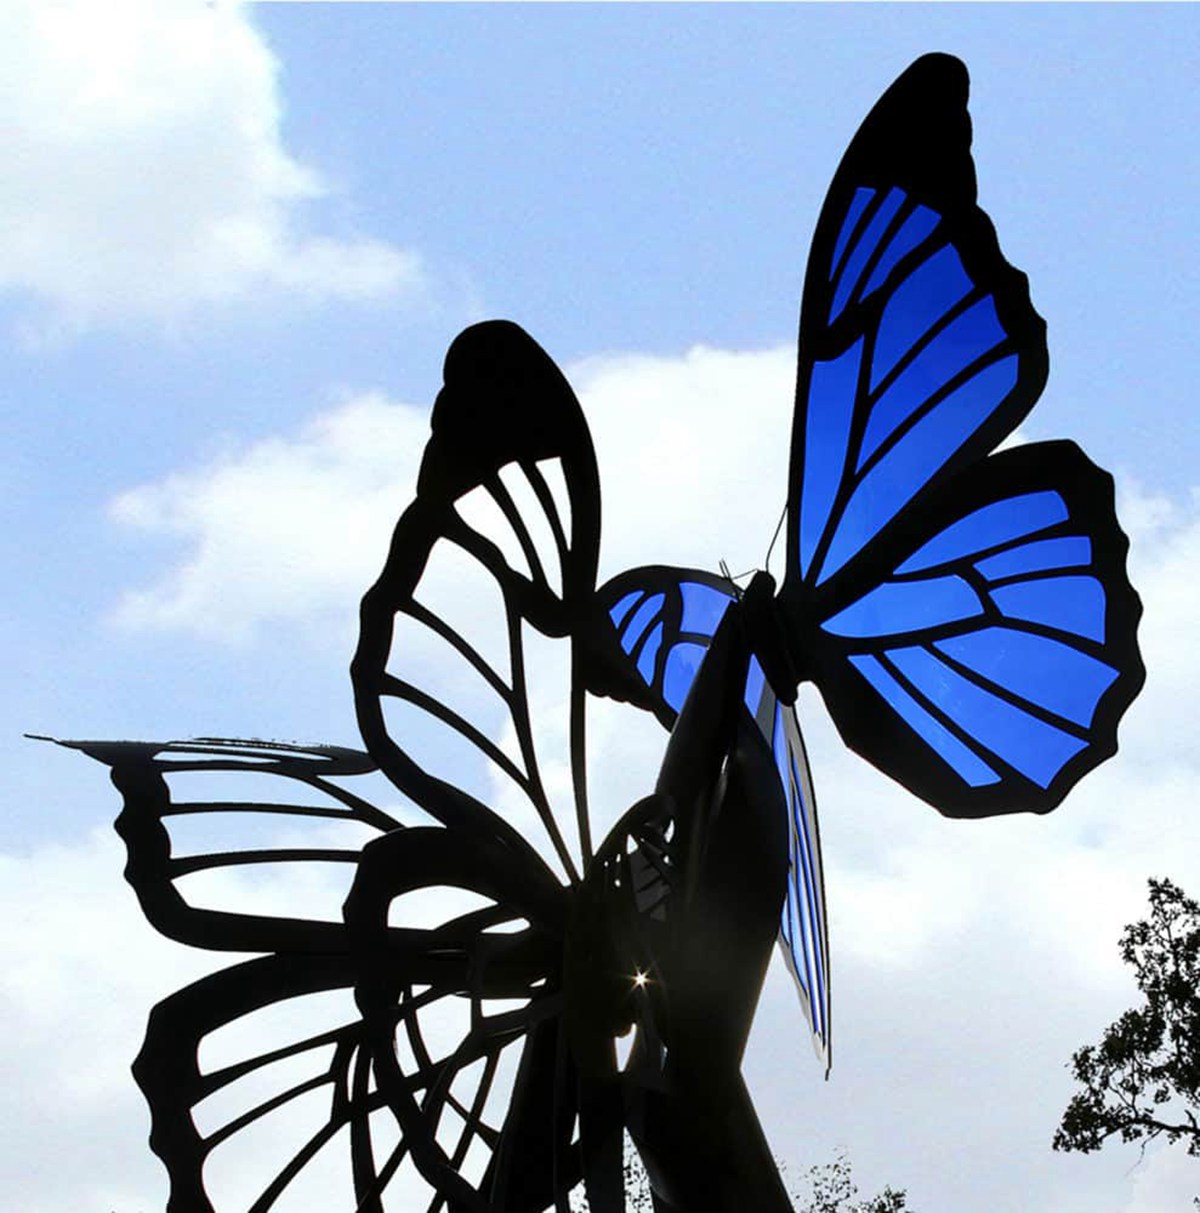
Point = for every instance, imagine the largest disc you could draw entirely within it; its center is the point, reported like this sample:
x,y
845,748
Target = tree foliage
x,y
830,1189
1142,1081
833,1190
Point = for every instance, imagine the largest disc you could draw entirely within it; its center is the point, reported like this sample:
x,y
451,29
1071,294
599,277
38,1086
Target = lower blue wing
x,y
804,932
988,670
658,623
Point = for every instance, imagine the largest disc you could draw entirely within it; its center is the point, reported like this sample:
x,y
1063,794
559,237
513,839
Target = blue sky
x,y
234,244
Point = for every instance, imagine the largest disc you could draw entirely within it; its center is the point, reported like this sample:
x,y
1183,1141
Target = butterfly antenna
x,y
775,537
733,578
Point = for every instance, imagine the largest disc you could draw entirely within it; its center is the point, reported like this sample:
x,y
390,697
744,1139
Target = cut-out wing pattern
x,y
423,1120
190,809
506,419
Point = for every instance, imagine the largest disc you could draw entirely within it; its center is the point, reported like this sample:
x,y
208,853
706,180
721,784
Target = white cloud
x,y
146,174
287,530
80,967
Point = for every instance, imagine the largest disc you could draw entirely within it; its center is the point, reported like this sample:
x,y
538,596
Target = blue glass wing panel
x,y
623,607
1071,604
997,523
866,245
1025,684
756,684
1069,551
966,338
830,414
813,906
803,932
1031,746
641,621
667,625
964,761
858,204
679,671
916,228
907,606
703,607
1040,670
917,304
645,662
914,460
799,892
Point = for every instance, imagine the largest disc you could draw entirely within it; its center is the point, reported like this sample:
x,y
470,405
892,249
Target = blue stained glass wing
x,y
652,627
919,347
659,623
988,668
804,931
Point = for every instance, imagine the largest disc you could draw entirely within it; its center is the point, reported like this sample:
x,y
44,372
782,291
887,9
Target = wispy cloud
x,y
286,531
146,175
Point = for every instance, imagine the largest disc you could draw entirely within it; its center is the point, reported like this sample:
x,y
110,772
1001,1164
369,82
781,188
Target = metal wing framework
x,y
486,589
402,1064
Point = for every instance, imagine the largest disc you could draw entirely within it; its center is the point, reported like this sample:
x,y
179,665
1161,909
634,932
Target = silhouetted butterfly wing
x,y
211,824
499,547
285,1078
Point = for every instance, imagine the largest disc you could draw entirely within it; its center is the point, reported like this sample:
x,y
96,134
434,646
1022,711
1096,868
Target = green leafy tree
x,y
1142,1081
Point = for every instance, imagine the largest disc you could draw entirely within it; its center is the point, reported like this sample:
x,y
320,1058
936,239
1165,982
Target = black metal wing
x,y
383,1056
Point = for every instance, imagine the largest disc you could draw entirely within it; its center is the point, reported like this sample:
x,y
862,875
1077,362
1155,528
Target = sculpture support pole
x,y
704,1148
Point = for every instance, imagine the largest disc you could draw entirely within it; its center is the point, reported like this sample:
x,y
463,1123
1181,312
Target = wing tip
x,y
939,69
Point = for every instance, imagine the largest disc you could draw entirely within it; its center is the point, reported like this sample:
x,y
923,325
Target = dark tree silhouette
x,y
1142,1081
833,1190
830,1188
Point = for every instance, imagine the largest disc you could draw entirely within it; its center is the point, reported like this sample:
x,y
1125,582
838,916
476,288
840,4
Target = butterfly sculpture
x,y
965,615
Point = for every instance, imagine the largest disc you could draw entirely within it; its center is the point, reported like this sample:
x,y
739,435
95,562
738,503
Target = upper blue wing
x,y
919,348
663,620
967,619
988,668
